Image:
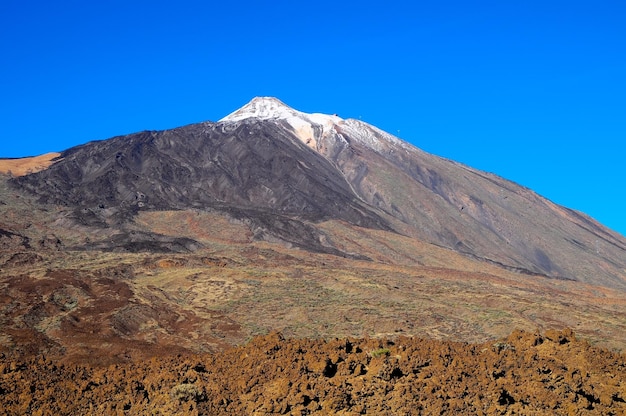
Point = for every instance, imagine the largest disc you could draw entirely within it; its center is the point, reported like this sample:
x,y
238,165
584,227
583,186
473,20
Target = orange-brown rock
x,y
525,373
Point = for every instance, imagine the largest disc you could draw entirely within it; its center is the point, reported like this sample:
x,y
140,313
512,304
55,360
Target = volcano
x,y
203,236
280,262
283,172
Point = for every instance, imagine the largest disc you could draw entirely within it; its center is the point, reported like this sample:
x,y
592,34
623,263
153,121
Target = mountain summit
x,y
285,172
311,128
264,108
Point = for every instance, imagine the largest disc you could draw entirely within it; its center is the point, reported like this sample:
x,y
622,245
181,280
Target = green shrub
x,y
380,352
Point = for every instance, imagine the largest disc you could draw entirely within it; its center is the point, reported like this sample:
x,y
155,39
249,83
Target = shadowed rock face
x,y
282,172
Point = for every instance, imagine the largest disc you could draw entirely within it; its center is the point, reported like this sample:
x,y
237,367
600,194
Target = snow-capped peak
x,y
313,128
308,127
262,108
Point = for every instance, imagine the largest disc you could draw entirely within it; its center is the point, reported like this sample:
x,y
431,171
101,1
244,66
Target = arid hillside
x,y
142,275
140,290
27,165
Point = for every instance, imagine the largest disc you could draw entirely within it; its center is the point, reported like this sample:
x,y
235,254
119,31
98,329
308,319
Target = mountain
x,y
201,237
284,171
281,262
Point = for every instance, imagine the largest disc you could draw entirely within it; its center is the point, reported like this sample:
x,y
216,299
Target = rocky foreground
x,y
525,373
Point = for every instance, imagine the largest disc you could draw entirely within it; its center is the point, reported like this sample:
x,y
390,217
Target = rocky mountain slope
x,y
163,250
283,172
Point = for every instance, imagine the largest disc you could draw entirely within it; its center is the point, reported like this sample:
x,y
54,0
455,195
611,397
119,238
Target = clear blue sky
x,y
534,91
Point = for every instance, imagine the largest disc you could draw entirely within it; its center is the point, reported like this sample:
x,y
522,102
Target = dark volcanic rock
x,y
134,242
253,167
11,241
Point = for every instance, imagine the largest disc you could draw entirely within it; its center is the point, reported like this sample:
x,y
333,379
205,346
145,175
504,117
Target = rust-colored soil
x,y
525,373
25,165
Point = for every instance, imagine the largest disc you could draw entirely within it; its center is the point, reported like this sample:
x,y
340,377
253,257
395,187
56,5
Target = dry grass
x,y
26,165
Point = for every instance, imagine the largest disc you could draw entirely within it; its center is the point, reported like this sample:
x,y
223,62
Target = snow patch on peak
x,y
313,129
267,108
262,108
372,136
308,127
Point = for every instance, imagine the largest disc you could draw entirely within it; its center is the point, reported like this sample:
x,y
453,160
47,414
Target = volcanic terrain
x,y
182,246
